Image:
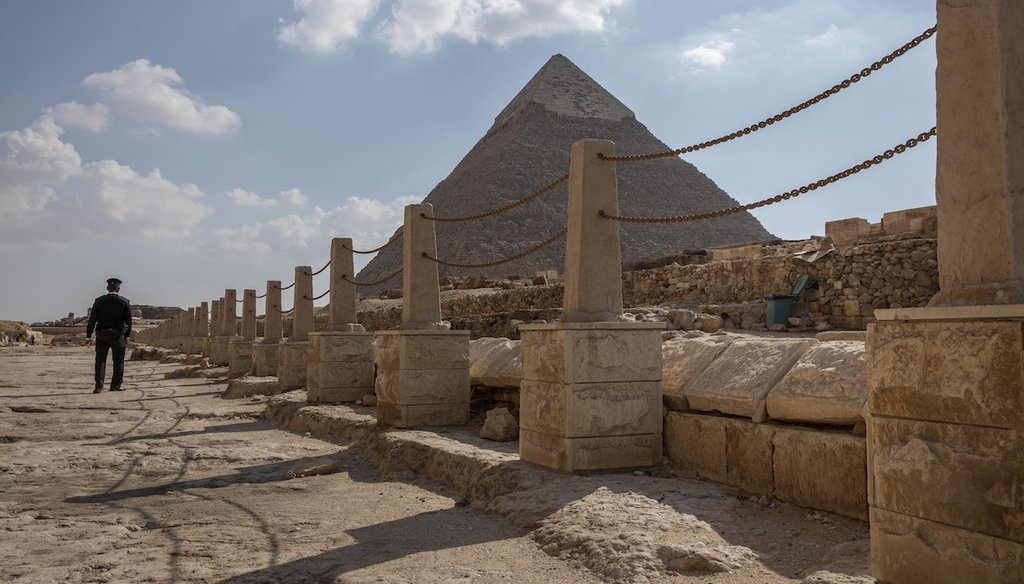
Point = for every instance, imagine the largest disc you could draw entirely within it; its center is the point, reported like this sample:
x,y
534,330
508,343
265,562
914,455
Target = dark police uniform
x,y
111,317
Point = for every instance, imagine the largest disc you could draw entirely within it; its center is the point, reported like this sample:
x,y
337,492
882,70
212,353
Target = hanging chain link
x,y
865,72
292,285
327,265
264,295
318,297
878,159
508,207
368,284
282,311
376,249
533,249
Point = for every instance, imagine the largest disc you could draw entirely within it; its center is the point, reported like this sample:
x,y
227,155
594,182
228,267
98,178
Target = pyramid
x,y
528,147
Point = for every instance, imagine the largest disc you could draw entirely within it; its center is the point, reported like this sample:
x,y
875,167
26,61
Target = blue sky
x,y
192,146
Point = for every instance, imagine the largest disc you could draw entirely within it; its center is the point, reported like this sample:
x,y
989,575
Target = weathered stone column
x,y
199,332
264,353
946,383
240,349
293,354
228,326
340,359
591,391
215,328
186,330
422,369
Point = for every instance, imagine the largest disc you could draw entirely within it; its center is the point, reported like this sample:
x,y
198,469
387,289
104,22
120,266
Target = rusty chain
x,y
368,284
533,249
282,311
318,297
376,249
547,188
292,285
264,295
865,72
878,159
327,265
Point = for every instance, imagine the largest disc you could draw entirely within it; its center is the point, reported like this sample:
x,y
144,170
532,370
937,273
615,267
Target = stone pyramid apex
x,y
563,88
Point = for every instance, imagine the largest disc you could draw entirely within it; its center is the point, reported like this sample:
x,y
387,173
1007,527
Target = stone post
x,y
211,330
422,369
240,349
590,397
187,324
293,354
264,353
340,359
946,382
228,326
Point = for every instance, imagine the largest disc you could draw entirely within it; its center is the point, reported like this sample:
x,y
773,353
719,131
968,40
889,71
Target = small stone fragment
x,y
500,426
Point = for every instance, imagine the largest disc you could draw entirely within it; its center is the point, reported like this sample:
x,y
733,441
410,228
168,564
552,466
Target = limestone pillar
x,y
228,326
590,397
422,369
216,329
186,330
946,383
264,353
211,319
240,349
293,354
340,359
200,331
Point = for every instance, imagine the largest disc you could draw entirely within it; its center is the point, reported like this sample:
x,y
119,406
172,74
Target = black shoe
x,y
118,388
98,389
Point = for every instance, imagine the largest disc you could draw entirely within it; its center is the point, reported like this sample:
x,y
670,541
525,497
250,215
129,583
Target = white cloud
x,y
293,197
710,55
418,26
827,38
47,194
326,25
153,96
95,117
244,198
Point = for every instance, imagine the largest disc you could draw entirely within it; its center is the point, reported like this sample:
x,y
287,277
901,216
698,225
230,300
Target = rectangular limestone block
x,y
422,387
343,374
333,395
591,409
264,359
573,454
970,372
828,385
738,381
682,360
333,347
292,363
821,470
422,350
291,376
418,416
582,355
910,550
726,450
965,476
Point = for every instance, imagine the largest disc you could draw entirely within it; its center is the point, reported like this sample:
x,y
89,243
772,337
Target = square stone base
x,y
591,395
292,363
221,349
946,445
209,346
264,359
340,366
239,358
422,378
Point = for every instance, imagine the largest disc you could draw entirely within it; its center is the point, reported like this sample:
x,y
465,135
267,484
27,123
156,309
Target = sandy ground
x,y
168,482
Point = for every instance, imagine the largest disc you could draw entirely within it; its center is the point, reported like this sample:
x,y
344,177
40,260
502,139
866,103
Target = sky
x,y
191,146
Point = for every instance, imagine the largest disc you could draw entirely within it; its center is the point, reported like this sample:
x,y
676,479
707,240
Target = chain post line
x,y
368,284
318,297
865,72
545,189
376,249
875,160
327,265
533,249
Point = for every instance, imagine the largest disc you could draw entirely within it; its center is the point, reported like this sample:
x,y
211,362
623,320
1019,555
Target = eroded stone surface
x,y
823,470
410,386
495,362
828,385
264,359
607,452
500,426
682,360
726,450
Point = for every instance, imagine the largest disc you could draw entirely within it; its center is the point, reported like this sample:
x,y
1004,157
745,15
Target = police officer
x,y
111,317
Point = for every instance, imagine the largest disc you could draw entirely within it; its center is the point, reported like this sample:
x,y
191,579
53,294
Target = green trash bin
x,y
778,309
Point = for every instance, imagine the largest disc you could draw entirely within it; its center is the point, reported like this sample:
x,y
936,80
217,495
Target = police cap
x,y
113,282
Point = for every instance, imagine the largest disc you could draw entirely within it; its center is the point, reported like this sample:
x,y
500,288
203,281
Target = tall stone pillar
x,y
293,354
211,326
591,391
422,369
341,358
946,382
199,332
264,352
228,326
240,349
186,330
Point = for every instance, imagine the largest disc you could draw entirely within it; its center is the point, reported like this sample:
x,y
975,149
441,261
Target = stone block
x,y
970,477
495,362
606,452
821,470
422,387
421,415
738,381
292,364
726,450
591,409
264,359
329,395
422,350
828,385
682,360
335,347
910,550
387,352
955,371
595,353
239,358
